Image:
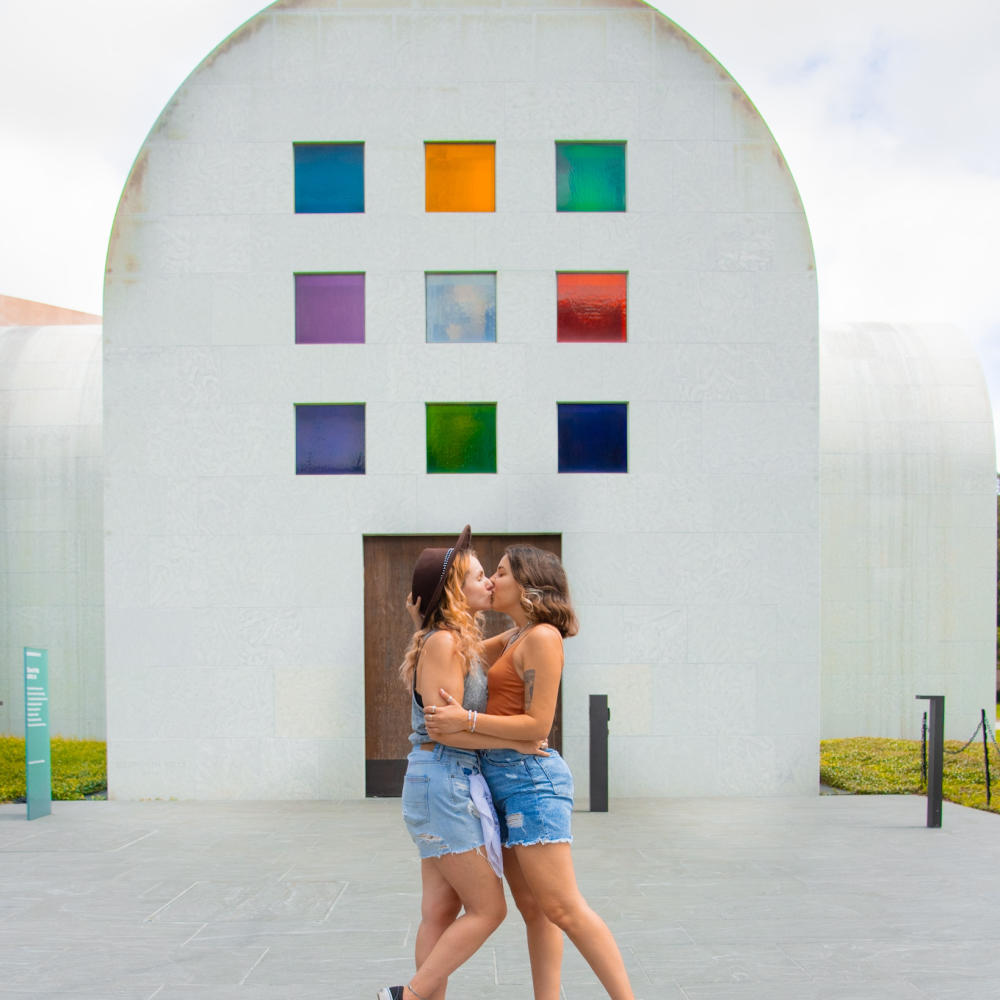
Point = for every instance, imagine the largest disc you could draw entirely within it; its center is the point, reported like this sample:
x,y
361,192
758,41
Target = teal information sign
x,y
38,766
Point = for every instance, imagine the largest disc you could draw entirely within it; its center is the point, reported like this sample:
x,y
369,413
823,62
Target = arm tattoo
x,y
529,688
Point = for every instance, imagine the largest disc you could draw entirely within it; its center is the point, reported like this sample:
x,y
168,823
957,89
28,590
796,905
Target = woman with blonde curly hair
x,y
534,795
446,804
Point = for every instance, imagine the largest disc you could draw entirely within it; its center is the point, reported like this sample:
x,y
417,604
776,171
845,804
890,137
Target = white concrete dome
x,y
909,521
51,544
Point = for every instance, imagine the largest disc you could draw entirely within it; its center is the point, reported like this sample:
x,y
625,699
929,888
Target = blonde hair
x,y
452,614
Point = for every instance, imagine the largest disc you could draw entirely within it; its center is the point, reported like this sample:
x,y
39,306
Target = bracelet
x,y
475,719
468,721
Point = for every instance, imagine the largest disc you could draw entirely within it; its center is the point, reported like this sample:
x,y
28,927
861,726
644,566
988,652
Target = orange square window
x,y
591,308
460,176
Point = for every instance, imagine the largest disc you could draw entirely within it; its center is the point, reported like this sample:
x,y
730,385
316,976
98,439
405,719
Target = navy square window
x,y
329,439
329,176
593,437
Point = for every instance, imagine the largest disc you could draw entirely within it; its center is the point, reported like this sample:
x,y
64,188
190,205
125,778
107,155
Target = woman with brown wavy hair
x,y
534,795
446,805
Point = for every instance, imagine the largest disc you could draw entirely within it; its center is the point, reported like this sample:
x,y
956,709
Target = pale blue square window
x,y
461,307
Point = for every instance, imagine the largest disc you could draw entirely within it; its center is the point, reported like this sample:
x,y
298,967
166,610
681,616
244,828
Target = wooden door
x,y
389,562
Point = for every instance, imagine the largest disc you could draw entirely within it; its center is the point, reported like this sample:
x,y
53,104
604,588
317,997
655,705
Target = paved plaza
x,y
827,898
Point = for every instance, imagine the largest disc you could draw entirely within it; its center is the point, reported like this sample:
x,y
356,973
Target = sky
x,y
885,111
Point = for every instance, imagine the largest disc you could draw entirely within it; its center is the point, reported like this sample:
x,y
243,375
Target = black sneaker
x,y
390,993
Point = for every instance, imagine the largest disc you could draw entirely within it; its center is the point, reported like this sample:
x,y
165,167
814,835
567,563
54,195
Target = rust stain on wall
x,y
238,37
744,106
693,46
132,202
121,260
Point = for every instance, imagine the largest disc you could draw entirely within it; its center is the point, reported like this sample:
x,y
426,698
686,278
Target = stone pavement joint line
x,y
826,898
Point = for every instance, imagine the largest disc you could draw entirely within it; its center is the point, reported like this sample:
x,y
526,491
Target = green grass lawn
x,y
79,769
869,766
863,765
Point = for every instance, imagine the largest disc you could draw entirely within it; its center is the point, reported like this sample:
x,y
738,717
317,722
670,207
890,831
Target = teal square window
x,y
329,177
461,437
590,176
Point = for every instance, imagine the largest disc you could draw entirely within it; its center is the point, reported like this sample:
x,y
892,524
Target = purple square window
x,y
329,309
329,439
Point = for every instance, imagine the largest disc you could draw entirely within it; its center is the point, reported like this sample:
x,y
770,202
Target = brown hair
x,y
545,596
452,613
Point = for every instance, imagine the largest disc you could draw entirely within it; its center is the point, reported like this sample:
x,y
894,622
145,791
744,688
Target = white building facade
x,y
630,330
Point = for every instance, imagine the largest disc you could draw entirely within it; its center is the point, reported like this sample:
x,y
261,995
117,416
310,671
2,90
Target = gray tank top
x,y
473,696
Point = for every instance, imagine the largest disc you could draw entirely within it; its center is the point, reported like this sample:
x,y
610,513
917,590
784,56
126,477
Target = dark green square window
x,y
461,437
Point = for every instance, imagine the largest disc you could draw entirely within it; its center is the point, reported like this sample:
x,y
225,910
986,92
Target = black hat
x,y
430,572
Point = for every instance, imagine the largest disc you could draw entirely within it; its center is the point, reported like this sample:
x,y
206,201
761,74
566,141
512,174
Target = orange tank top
x,y
505,687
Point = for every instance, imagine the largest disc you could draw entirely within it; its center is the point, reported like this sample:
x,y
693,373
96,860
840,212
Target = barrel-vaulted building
x,y
382,269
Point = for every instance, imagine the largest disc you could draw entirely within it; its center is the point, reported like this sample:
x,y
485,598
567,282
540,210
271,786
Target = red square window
x,y
591,308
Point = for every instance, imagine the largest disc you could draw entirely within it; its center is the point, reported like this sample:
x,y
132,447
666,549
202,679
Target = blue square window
x,y
329,176
593,437
329,439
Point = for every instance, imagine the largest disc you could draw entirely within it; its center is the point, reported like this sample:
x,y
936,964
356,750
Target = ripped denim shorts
x,y
437,804
533,796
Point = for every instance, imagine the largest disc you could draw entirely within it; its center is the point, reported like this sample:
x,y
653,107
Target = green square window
x,y
590,176
461,437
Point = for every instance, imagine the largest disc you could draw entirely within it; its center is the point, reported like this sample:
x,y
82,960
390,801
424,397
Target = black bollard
x,y
986,755
935,759
599,716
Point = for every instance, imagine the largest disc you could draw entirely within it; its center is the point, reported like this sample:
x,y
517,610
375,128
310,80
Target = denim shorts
x,y
437,804
533,796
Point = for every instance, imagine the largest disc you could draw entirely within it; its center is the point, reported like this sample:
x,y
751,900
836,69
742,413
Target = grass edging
x,y
860,765
79,769
867,765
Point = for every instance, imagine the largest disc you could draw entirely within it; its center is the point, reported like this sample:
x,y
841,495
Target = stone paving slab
x,y
825,898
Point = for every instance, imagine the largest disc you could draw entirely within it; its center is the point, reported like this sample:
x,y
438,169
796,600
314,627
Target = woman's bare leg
x,y
545,939
548,871
439,908
481,895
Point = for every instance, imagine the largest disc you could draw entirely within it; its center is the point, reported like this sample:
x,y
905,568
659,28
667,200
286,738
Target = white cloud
x,y
81,84
885,112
